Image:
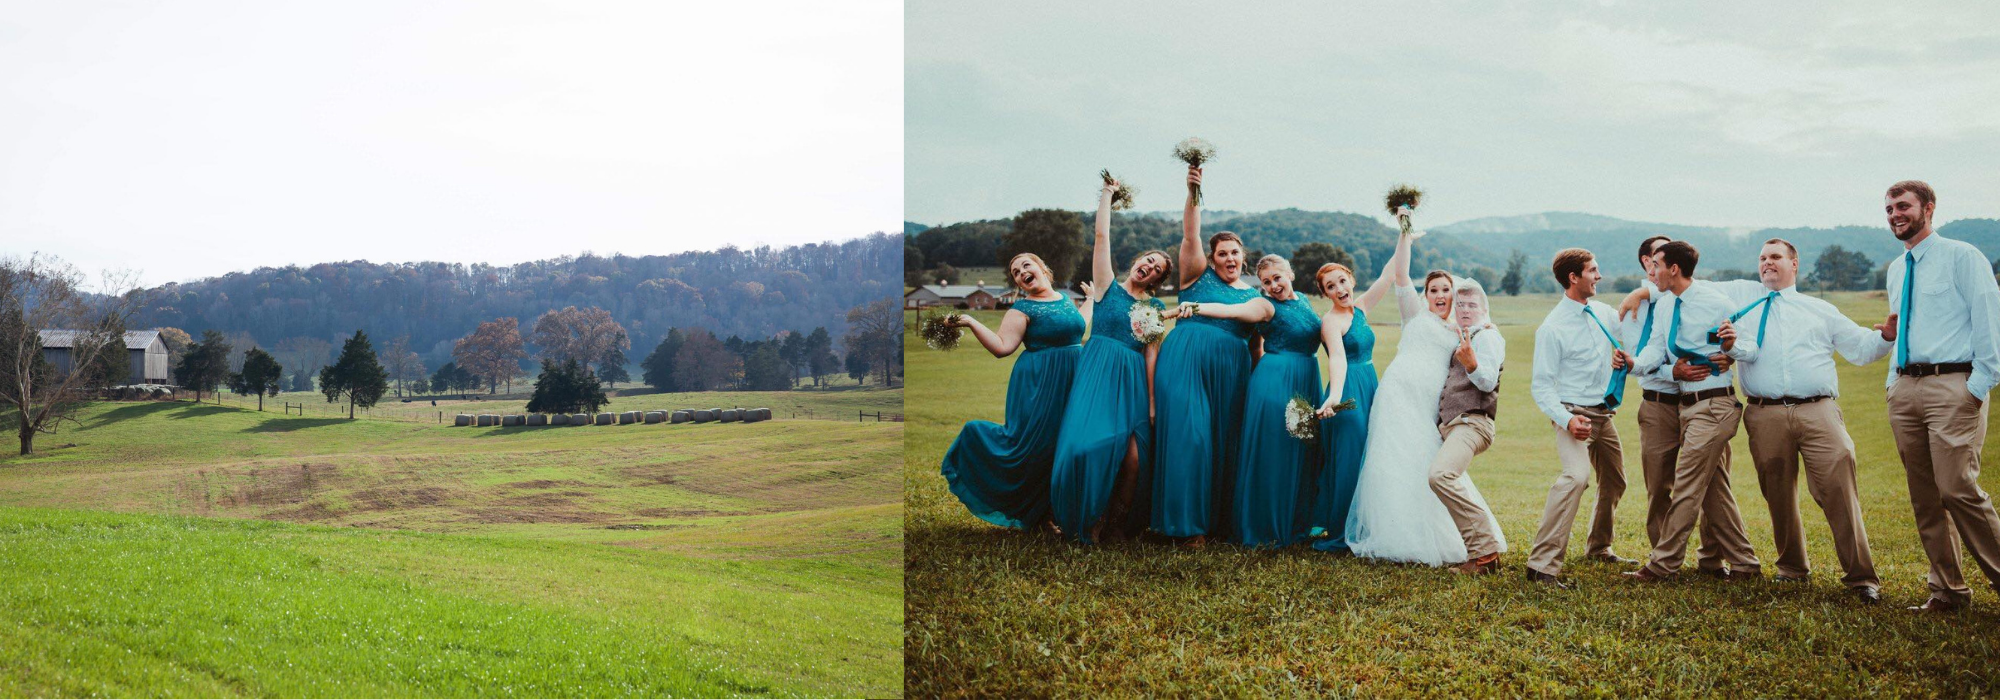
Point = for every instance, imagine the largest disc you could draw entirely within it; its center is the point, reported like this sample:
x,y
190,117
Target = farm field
x,y
1000,612
185,549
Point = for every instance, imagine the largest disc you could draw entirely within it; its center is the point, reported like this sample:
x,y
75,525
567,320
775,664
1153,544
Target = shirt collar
x,y
1789,291
1570,305
1923,248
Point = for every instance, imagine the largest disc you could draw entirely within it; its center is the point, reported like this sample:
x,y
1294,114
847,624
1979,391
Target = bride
x,y
1395,515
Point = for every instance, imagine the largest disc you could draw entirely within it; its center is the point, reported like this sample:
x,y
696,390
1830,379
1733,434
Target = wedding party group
x,y
1226,428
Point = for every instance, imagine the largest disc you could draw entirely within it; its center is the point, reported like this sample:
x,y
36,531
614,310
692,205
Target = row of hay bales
x,y
703,415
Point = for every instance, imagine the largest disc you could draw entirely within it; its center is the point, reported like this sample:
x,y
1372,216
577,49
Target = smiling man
x,y
1944,306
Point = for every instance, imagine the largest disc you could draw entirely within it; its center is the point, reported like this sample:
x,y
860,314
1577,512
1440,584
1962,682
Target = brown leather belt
x,y
1785,401
1661,396
1926,369
1700,396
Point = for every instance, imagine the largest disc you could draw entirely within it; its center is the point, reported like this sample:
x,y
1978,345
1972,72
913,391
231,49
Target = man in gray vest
x,y
1466,409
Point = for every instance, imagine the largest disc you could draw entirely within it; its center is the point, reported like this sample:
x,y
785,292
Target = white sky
x,y
190,139
1708,113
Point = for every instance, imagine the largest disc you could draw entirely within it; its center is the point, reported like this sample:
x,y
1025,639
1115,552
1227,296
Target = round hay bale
x,y
682,416
730,415
486,419
704,416
511,421
655,416
607,419
537,419
559,419
462,419
764,413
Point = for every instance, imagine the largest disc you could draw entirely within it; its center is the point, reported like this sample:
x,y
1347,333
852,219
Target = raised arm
x,y
1193,260
1401,260
1013,327
1331,328
1377,289
1256,310
1101,274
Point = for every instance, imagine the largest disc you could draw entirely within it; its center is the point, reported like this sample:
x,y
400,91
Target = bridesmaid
x,y
1001,472
1107,433
1267,509
1351,377
1202,367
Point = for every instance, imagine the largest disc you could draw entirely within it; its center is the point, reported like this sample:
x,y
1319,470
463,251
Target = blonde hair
x,y
1050,273
1277,261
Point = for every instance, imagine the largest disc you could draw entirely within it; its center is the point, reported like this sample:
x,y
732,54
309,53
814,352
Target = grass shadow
x,y
200,410
286,425
136,410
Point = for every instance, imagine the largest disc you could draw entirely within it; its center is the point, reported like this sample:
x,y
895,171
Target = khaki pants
x,y
1779,437
1940,427
1659,449
1602,455
1707,427
1464,436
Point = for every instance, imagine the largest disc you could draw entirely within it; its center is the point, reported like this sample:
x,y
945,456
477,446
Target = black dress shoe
x,y
1610,557
1547,580
1781,578
1937,605
1869,595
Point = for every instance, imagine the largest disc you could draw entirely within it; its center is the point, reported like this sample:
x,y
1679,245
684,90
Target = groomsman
x,y
1575,354
1945,307
1791,387
1660,433
1694,338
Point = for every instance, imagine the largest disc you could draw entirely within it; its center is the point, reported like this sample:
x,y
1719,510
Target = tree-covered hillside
x,y
751,293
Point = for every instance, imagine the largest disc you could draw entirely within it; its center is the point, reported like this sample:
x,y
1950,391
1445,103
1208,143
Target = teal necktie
x,y
1676,351
1903,318
1762,320
1614,394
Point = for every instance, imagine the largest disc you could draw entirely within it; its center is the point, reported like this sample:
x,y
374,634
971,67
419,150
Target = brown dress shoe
x,y
1937,605
1869,595
1483,565
1735,575
1547,580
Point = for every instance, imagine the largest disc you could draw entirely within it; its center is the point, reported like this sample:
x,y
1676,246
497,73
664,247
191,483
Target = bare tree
x,y
38,294
585,335
493,352
403,364
875,332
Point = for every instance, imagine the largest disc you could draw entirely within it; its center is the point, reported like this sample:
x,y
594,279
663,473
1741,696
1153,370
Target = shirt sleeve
x,y
1859,345
1408,301
1542,386
1490,350
1741,292
1982,300
1649,360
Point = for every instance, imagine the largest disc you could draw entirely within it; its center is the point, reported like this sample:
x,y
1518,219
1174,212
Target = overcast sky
x,y
188,139
1722,114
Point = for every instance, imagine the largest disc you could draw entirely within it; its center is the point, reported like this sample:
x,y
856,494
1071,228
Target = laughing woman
x,y
1001,472
1106,441
1268,507
1350,371
1202,368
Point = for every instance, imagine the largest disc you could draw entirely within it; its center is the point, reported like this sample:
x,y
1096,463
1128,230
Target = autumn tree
x,y
37,294
585,335
493,352
403,364
704,364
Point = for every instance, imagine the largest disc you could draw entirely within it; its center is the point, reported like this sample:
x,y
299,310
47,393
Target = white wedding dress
x,y
1395,515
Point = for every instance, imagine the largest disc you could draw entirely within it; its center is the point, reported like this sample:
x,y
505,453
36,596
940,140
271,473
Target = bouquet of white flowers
x,y
1194,152
938,332
1401,201
1301,419
1147,325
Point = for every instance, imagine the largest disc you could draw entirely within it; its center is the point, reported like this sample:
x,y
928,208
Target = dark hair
x,y
1217,240
1922,189
1165,274
1680,254
1787,244
1646,246
1570,261
1434,274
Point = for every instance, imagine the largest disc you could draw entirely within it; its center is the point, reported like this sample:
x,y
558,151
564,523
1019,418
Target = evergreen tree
x,y
766,370
611,367
569,388
356,375
1511,282
261,375
820,360
658,368
858,366
793,350
206,364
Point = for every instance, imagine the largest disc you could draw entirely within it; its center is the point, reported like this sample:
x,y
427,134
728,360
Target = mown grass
x,y
996,612
764,554
837,402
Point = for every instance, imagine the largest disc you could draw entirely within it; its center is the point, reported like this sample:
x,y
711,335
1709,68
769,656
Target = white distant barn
x,y
148,353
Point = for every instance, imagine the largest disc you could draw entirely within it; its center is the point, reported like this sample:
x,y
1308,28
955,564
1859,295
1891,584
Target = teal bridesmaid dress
x,y
1107,411
1198,384
1344,438
1273,467
1001,472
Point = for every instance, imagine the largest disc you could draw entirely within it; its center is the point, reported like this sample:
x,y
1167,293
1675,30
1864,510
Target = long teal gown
x,y
1344,438
1107,411
1273,471
1198,385
1001,472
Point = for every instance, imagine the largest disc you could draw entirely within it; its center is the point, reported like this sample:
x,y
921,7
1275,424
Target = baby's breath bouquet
x,y
1147,324
1401,201
1121,199
1300,420
938,332
1194,152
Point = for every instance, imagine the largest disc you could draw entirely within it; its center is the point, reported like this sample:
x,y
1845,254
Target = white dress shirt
x,y
1489,349
1572,358
1955,313
1702,308
1795,359
1633,327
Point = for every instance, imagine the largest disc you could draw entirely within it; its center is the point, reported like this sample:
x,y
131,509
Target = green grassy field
x,y
840,401
180,549
998,612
